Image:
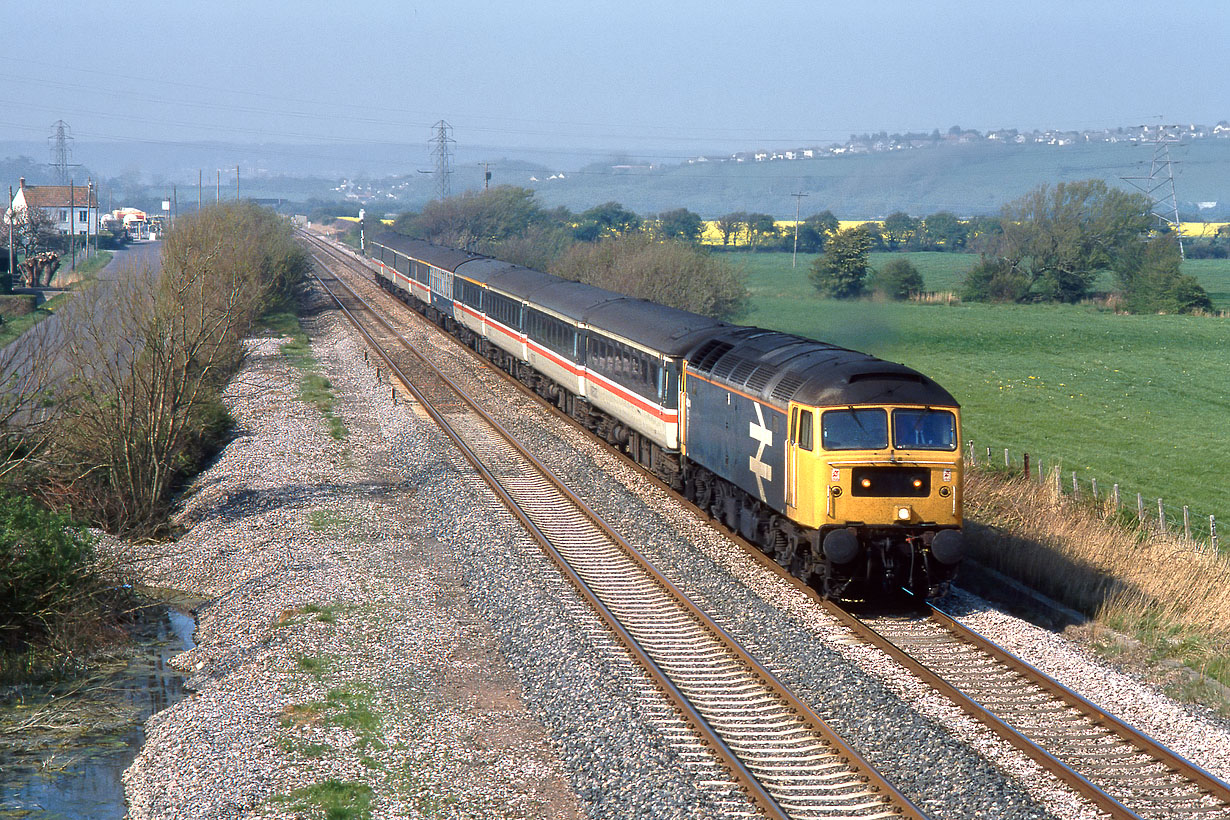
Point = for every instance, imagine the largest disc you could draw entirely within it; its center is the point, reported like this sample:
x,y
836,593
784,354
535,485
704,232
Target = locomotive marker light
x,y
903,513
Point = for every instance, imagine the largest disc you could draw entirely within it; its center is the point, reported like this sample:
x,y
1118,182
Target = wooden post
x,y
971,452
1007,463
1095,490
1115,495
1187,525
1040,475
1161,516
988,456
1025,472
1140,508
377,374
1213,532
1076,489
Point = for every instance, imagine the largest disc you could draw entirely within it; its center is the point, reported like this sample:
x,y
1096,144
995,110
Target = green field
x,y
1139,400
945,271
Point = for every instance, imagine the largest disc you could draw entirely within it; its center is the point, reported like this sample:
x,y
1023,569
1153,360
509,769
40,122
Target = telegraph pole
x,y
443,161
236,183
798,200
7,284
199,178
72,223
218,190
486,175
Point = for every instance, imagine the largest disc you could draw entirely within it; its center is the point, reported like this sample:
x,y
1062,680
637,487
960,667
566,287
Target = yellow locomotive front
x,y
883,486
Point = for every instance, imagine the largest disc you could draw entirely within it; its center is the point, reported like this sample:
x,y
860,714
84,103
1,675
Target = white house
x,y
73,209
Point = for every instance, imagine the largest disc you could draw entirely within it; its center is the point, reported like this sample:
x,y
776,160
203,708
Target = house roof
x,y
57,196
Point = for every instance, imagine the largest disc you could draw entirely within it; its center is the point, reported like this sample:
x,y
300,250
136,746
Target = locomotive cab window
x,y
924,429
853,429
805,434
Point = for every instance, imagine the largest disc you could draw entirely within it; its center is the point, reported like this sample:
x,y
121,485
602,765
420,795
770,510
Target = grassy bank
x,y
1168,594
1135,400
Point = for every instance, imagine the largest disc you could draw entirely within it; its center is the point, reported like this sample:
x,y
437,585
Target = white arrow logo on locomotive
x,y
762,434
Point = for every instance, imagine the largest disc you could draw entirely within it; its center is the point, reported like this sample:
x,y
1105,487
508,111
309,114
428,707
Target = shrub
x,y
899,279
671,272
994,280
840,271
46,569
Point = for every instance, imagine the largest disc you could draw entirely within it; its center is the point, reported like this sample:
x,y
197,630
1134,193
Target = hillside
x,y
966,179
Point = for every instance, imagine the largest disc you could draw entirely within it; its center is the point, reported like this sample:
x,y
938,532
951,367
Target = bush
x,y
899,279
671,272
993,280
840,271
46,570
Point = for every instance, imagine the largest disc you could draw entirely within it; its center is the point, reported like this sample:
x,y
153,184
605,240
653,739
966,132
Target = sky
x,y
647,78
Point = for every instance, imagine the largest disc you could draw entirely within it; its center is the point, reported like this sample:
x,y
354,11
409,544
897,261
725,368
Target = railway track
x,y
787,760
1123,772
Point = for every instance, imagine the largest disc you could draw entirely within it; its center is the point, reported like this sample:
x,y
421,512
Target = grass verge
x,y
314,388
331,800
1170,595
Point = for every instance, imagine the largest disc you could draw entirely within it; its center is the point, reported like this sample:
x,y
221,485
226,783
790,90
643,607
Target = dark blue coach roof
x,y
444,258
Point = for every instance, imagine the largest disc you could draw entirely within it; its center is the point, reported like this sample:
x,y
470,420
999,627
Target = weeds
x,y
319,520
314,388
330,800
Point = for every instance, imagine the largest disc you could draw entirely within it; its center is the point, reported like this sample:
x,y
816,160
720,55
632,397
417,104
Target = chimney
x,y
21,183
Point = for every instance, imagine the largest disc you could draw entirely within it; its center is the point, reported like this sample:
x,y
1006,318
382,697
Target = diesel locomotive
x,y
843,467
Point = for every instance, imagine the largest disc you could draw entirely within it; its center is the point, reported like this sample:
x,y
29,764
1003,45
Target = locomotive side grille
x,y
763,375
708,355
726,365
742,371
786,388
886,482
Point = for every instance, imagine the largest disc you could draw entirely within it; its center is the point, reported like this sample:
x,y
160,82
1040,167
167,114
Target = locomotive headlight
x,y
917,483
866,482
903,513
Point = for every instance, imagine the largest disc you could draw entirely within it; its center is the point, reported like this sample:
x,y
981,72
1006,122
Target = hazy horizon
x,y
645,80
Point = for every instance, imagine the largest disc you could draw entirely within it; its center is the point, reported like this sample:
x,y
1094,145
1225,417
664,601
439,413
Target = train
x,y
845,468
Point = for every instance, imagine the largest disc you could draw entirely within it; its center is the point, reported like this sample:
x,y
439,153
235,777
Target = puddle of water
x,y
84,781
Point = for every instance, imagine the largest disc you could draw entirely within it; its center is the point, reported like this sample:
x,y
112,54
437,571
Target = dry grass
x,y
1172,594
940,297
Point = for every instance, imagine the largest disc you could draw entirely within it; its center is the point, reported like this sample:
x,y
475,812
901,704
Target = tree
x,y
840,272
606,220
815,230
681,224
899,228
994,280
1152,282
671,272
473,217
761,230
731,225
898,279
1060,238
942,230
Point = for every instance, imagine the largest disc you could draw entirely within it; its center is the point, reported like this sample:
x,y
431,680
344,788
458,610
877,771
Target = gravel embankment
x,y
377,618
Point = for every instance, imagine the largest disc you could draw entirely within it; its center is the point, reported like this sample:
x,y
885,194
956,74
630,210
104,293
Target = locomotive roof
x,y
444,258
780,367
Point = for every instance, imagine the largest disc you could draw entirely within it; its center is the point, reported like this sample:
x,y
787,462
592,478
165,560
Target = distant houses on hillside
x,y
884,142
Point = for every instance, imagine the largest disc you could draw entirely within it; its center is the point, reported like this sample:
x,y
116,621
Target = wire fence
x,y
1167,520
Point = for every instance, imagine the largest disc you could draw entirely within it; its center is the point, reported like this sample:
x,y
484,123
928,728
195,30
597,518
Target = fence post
x,y
1041,477
1161,517
1006,462
1076,489
1116,497
1213,532
1025,472
1095,490
1187,525
971,452
988,456
1140,508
